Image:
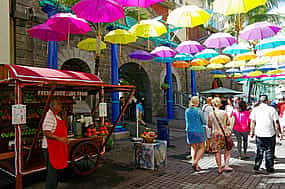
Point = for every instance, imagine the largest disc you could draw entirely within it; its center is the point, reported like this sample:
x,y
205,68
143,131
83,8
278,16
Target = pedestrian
x,y
280,109
230,112
140,112
264,120
241,128
195,133
207,109
220,124
54,143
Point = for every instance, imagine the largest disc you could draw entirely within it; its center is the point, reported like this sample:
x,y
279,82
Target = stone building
x,y
147,76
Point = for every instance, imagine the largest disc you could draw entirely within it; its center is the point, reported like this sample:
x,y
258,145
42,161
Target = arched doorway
x,y
76,64
135,75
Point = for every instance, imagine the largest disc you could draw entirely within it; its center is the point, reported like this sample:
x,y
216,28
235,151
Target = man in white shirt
x,y
207,109
264,119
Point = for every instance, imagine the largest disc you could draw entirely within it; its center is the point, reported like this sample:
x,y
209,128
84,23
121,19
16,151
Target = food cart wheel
x,y
85,158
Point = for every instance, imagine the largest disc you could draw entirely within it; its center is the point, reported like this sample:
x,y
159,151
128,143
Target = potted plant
x,y
164,86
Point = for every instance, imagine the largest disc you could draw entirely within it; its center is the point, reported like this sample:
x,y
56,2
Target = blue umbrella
x,y
163,60
217,72
270,43
248,69
267,67
282,66
236,49
183,57
233,70
207,53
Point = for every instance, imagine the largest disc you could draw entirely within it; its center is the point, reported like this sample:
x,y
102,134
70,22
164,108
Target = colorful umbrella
x,y
183,57
228,7
255,73
220,40
221,59
120,36
258,61
259,30
138,3
275,52
274,72
46,33
99,11
197,68
141,55
235,75
180,64
163,59
282,66
189,47
148,28
68,23
236,49
199,62
267,67
270,43
247,69
215,66
278,59
163,51
207,53
245,56
232,71
91,44
217,72
235,64
219,76
188,17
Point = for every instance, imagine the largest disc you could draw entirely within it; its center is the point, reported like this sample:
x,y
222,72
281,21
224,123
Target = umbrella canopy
x,y
215,66
275,52
138,3
120,36
235,64
46,33
259,30
199,62
270,43
68,23
221,90
163,59
148,28
183,57
233,70
140,55
221,59
188,17
180,64
258,61
217,72
207,53
228,7
267,67
91,44
255,74
236,49
219,76
245,56
163,51
220,40
197,68
99,10
247,69
275,72
189,47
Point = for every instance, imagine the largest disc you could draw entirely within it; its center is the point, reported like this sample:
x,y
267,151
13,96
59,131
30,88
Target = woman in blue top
x,y
195,132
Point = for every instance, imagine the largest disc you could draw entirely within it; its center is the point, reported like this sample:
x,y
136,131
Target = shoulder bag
x,y
228,139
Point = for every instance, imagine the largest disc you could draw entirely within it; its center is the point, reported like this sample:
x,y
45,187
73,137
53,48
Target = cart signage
x,y
103,109
18,114
63,93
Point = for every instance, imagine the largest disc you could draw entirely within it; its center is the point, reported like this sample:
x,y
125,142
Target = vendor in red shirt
x,y
280,109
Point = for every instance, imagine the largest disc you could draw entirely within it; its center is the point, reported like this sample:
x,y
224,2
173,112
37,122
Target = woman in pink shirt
x,y
241,128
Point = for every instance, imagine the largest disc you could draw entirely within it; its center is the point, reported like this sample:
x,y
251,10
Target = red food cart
x,y
25,97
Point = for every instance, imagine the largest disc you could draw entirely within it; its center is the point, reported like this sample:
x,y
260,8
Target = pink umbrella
x,y
163,51
259,30
138,3
46,33
189,47
220,40
68,23
99,10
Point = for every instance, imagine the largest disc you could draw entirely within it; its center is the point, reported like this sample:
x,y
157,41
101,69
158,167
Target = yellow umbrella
x,y
235,64
275,52
279,59
197,68
228,7
274,72
236,75
119,36
91,44
258,61
199,62
255,73
215,66
245,56
188,17
219,76
148,28
221,59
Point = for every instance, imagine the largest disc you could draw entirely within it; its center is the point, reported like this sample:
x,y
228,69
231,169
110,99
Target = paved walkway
x,y
117,171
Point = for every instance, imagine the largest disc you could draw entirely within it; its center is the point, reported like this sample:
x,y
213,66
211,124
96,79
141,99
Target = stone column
x,y
5,32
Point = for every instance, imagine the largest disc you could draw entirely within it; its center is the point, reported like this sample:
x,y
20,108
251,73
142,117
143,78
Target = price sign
x,y
102,109
18,114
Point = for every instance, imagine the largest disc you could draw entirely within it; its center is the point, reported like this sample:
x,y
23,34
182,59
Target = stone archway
x,y
76,64
137,76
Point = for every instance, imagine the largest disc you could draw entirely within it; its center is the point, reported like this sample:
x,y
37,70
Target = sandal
x,y
229,169
195,168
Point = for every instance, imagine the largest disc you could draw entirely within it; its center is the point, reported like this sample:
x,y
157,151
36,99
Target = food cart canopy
x,y
222,91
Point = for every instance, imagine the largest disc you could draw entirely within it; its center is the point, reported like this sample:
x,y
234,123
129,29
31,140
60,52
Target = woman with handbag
x,y
195,133
221,135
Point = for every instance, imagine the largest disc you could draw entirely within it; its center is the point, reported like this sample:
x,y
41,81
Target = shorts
x,y
195,137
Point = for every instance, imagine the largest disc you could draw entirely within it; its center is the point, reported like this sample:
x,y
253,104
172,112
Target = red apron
x,y
58,155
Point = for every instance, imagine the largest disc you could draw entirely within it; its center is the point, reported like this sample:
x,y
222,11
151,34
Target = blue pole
x,y
115,81
52,45
193,83
170,114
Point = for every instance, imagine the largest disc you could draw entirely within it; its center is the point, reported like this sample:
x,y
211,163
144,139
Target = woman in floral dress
x,y
218,140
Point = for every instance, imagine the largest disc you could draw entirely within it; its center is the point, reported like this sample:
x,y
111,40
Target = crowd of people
x,y
210,129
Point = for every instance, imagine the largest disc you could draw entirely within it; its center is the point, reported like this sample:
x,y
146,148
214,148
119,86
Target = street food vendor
x,y
54,142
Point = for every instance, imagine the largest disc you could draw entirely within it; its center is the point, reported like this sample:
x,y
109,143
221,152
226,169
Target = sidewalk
x,y
117,171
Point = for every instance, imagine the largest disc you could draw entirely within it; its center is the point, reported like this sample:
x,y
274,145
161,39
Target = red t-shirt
x,y
281,108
